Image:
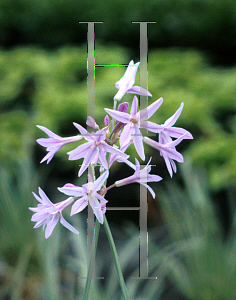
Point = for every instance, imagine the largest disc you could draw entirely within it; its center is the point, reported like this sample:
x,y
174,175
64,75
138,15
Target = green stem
x,y
91,261
115,255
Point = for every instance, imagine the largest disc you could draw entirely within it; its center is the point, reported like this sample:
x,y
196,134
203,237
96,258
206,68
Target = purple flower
x,y
168,131
88,193
125,84
54,143
96,145
48,214
168,152
140,176
134,121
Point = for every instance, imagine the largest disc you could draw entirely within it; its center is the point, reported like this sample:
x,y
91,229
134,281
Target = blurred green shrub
x,y
203,24
50,89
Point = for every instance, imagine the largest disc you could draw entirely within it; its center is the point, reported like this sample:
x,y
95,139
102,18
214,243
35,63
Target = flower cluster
x,y
100,148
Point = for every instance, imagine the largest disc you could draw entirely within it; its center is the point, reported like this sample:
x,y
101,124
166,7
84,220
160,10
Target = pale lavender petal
x,y
41,215
134,106
168,165
151,109
50,155
117,115
128,78
51,225
100,197
177,132
102,156
78,206
175,142
44,197
34,209
96,209
37,198
173,165
164,138
151,126
74,191
68,226
100,180
49,132
125,136
137,164
39,223
83,131
138,142
153,178
111,149
99,136
139,91
90,155
172,153
48,142
150,190
171,121
80,151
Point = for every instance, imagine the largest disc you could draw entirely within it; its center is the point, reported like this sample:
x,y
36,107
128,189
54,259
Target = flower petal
x,y
72,190
153,127
139,91
78,206
134,106
68,226
100,180
151,109
45,198
83,131
87,160
118,115
125,136
138,142
171,121
49,132
51,225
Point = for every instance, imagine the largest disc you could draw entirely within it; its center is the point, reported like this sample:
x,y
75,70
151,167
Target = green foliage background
x,y
50,89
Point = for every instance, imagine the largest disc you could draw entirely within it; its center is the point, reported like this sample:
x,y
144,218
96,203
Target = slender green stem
x,y
115,255
91,261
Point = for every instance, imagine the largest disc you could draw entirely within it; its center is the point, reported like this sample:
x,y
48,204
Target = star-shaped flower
x,y
168,131
140,176
168,152
134,121
125,84
54,143
88,193
48,214
96,145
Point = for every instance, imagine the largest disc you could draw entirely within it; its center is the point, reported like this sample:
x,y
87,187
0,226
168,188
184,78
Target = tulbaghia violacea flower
x,y
125,84
48,214
168,152
168,131
96,145
54,143
140,176
134,121
88,193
